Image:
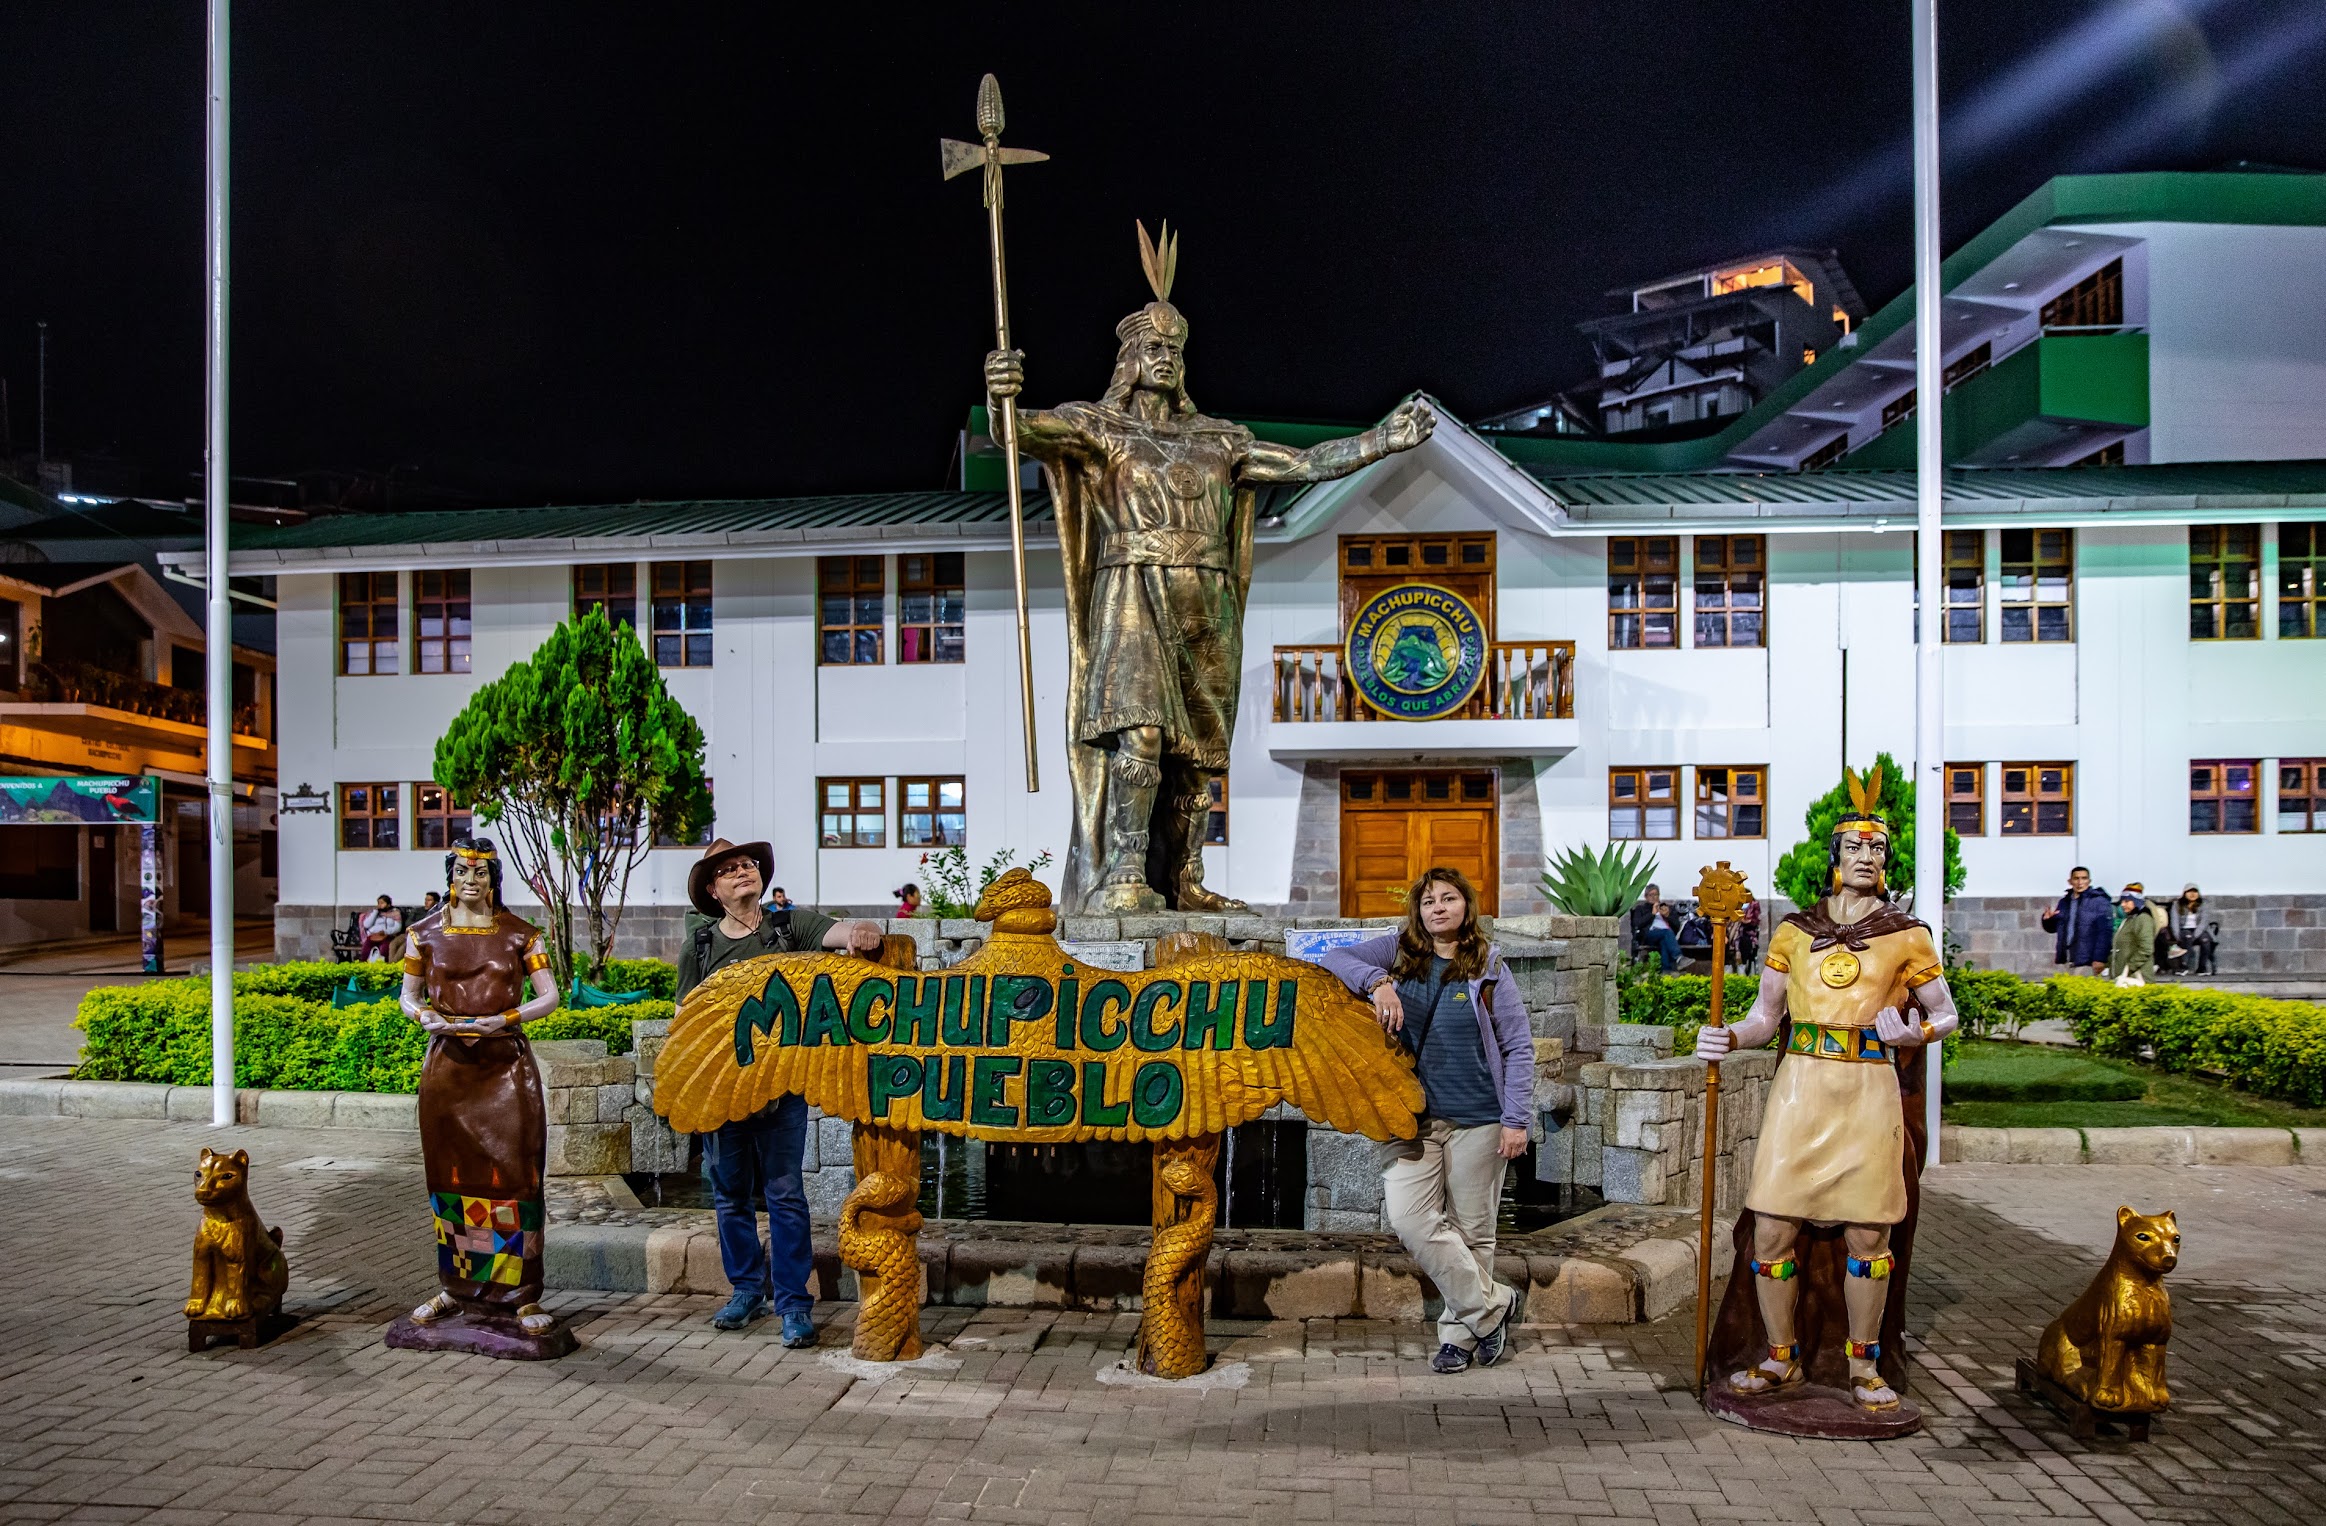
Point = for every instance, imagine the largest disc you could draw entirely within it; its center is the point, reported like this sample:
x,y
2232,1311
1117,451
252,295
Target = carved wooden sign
x,y
1021,1042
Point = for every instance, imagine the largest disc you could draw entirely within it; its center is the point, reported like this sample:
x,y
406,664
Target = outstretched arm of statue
x,y
1716,1044
1041,434
1940,1017
1407,427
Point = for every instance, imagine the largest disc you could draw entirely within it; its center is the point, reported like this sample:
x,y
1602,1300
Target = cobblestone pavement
x,y
658,1418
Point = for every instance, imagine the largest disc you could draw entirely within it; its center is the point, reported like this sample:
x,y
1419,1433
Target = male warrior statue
x,y
1155,506
1836,1147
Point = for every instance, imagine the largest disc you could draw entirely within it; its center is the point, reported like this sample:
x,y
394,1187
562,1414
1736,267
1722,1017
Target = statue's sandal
x,y
1761,1380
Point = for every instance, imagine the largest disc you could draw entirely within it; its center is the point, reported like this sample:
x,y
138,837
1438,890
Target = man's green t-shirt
x,y
701,956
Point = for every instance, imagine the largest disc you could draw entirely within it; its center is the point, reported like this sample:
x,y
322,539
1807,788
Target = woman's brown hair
x,y
1415,947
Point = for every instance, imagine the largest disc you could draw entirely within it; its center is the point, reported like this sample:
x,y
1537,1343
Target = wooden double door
x,y
1396,824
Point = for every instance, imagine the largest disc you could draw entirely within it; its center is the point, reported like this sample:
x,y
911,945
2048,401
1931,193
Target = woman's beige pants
x,y
1442,1192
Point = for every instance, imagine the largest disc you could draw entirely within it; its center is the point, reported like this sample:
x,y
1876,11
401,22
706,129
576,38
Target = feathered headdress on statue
x,y
1864,815
1159,258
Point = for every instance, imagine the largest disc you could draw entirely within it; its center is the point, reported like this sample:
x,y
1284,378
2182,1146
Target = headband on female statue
x,y
473,854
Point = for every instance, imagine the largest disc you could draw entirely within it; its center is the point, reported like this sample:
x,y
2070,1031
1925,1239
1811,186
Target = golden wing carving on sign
x,y
1020,1042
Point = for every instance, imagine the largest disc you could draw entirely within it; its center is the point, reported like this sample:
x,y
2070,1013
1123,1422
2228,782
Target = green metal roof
x,y
2203,479
753,519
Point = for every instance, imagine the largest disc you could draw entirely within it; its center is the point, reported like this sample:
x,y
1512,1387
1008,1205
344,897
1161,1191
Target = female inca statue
x,y
1155,507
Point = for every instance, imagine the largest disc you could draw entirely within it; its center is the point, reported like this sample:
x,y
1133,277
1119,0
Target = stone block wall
x,y
1636,1129
587,1095
645,932
2261,936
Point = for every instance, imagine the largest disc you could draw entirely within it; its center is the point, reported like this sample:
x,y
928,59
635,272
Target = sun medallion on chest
x,y
1183,480
1840,968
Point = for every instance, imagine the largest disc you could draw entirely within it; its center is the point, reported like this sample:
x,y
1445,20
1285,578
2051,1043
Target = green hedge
x,y
2268,1047
160,1031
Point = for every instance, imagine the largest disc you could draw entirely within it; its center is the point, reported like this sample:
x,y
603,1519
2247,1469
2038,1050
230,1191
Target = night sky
x,y
566,253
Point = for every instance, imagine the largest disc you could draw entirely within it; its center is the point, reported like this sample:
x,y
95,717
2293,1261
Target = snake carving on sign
x,y
1020,1043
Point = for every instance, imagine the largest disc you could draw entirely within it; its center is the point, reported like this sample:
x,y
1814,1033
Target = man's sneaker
x,y
798,1330
1495,1346
1450,1358
741,1310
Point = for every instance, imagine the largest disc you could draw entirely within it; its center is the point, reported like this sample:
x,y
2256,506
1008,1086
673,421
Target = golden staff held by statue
x,y
1719,897
958,158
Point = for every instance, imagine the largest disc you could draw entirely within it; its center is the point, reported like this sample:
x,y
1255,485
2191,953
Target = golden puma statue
x,y
239,1270
2108,1348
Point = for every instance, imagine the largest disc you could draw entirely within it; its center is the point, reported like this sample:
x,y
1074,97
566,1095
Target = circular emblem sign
x,y
1416,652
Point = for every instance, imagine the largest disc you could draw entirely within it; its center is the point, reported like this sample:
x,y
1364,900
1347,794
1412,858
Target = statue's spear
x,y
958,158
1719,897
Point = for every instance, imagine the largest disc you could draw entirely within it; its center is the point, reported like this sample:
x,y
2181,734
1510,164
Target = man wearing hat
x,y
759,1155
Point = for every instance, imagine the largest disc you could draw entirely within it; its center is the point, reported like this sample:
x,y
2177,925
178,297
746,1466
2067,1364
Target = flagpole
x,y
1930,552
218,630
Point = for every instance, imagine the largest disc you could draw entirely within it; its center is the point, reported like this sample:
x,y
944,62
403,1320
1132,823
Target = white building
x,y
1689,640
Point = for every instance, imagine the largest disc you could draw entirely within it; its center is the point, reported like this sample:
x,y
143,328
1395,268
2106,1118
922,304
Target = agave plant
x,y
1588,882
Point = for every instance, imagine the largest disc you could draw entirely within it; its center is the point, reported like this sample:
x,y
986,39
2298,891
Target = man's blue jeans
x,y
1666,943
757,1158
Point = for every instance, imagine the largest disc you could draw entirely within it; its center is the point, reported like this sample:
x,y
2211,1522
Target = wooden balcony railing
x,y
1525,681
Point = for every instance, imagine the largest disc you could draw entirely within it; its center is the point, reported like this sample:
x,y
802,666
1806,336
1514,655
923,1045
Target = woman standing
x,y
1445,992
474,975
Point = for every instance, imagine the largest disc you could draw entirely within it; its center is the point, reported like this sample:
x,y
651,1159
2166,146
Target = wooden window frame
x,y
455,820
374,817
1633,560
935,811
1720,608
855,811
374,643
2213,553
2040,587
679,607
2213,802
929,577
2301,582
1724,814
617,593
444,598
1641,778
1966,801
1965,573
856,581
2308,777
2044,812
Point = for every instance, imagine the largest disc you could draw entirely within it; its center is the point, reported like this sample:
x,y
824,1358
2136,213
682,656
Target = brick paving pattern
x,y
658,1418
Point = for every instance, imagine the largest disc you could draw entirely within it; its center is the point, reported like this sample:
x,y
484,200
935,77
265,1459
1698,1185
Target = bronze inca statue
x,y
1154,503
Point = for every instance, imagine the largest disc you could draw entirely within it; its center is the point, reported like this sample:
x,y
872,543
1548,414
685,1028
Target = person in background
x,y
2190,931
1744,935
380,926
428,904
759,1158
1652,928
1444,992
2081,925
777,900
908,899
2132,953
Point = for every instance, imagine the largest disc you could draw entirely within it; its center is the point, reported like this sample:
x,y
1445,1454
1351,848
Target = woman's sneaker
x,y
1493,1347
1450,1359
798,1330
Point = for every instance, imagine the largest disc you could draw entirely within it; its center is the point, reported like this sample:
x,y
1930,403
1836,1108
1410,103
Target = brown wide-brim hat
x,y
706,869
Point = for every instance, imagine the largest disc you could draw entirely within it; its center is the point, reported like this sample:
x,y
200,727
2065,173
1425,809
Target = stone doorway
x,y
1395,824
